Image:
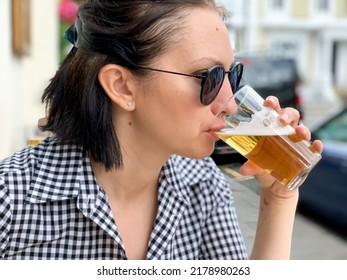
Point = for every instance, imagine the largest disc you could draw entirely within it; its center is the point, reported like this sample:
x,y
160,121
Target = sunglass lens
x,y
235,76
212,84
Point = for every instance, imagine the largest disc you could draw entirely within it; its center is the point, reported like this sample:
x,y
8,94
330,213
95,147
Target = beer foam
x,y
263,123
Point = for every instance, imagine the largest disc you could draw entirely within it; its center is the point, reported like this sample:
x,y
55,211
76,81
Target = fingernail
x,y
284,117
272,99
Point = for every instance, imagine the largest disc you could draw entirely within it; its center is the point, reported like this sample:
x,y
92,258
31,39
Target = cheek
x,y
183,108
183,118
174,96
158,108
172,104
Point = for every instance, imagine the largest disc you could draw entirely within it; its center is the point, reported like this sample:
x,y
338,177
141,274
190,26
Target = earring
x,y
129,103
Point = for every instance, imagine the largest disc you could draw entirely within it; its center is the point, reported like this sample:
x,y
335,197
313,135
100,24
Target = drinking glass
x,y
256,132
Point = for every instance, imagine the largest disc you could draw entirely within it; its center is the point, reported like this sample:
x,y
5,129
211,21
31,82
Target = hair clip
x,y
71,34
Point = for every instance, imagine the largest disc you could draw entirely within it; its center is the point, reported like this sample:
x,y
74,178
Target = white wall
x,y
23,79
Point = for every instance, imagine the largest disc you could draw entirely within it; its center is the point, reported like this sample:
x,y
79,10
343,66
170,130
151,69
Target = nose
x,y
224,104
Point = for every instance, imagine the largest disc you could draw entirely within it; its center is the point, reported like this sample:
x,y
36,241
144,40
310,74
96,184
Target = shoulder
x,y
17,171
25,158
14,182
41,165
17,162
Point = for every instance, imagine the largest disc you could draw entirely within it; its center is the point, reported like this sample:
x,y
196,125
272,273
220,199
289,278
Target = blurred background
x,y
31,48
311,32
295,49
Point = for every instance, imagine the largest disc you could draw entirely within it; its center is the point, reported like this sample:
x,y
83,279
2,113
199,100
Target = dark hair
x,y
129,33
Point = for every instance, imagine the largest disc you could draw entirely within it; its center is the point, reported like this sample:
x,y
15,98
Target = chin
x,y
200,154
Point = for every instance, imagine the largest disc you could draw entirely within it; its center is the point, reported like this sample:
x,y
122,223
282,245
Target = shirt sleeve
x,y
5,219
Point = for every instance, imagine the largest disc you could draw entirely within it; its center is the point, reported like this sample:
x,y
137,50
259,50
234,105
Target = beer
x,y
33,142
286,160
256,132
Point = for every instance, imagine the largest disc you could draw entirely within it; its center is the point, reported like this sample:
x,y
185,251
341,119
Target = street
x,y
312,239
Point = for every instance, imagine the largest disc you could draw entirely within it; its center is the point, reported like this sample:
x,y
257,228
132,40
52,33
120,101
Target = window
x,y
322,5
277,4
335,129
278,8
322,8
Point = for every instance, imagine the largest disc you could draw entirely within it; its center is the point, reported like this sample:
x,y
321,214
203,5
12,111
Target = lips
x,y
216,128
213,132
214,135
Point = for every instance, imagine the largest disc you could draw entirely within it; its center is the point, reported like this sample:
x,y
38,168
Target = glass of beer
x,y
256,132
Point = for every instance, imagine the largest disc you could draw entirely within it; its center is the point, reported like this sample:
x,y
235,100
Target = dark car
x,y
324,193
223,153
276,76
273,76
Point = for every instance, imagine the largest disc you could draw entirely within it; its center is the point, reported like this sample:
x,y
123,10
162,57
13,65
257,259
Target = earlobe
x,y
114,80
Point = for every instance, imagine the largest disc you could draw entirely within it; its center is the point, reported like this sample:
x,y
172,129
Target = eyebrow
x,y
209,60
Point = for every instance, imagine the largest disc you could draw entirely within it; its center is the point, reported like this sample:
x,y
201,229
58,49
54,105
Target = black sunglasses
x,y
212,80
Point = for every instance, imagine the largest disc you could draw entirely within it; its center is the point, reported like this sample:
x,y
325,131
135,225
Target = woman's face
x,y
169,116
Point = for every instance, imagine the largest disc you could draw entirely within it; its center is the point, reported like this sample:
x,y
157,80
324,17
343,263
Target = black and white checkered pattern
x,y
52,208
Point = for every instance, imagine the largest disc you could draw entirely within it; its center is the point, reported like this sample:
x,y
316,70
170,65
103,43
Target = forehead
x,y
204,38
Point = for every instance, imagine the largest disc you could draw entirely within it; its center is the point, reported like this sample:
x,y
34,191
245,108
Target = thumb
x,y
250,168
263,178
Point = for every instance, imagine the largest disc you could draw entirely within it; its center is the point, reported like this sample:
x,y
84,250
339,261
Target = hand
x,y
287,116
41,122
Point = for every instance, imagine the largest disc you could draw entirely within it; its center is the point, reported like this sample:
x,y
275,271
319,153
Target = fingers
x,y
42,121
303,131
288,115
317,145
273,102
251,169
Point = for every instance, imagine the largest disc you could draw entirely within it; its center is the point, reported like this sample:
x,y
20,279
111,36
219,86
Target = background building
x,y
314,32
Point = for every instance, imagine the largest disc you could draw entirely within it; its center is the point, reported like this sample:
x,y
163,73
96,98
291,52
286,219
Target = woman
x,y
127,175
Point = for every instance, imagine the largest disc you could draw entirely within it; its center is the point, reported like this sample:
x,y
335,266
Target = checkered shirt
x,y
51,207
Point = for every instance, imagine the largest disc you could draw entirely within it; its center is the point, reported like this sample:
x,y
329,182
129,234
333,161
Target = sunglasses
x,y
212,80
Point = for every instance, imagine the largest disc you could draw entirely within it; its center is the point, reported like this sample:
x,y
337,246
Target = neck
x,y
142,161
134,179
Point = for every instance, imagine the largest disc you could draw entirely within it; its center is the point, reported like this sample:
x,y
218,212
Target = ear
x,y
115,80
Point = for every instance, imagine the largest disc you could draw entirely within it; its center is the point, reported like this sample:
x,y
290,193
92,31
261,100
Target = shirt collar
x,y
183,173
56,172
177,179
